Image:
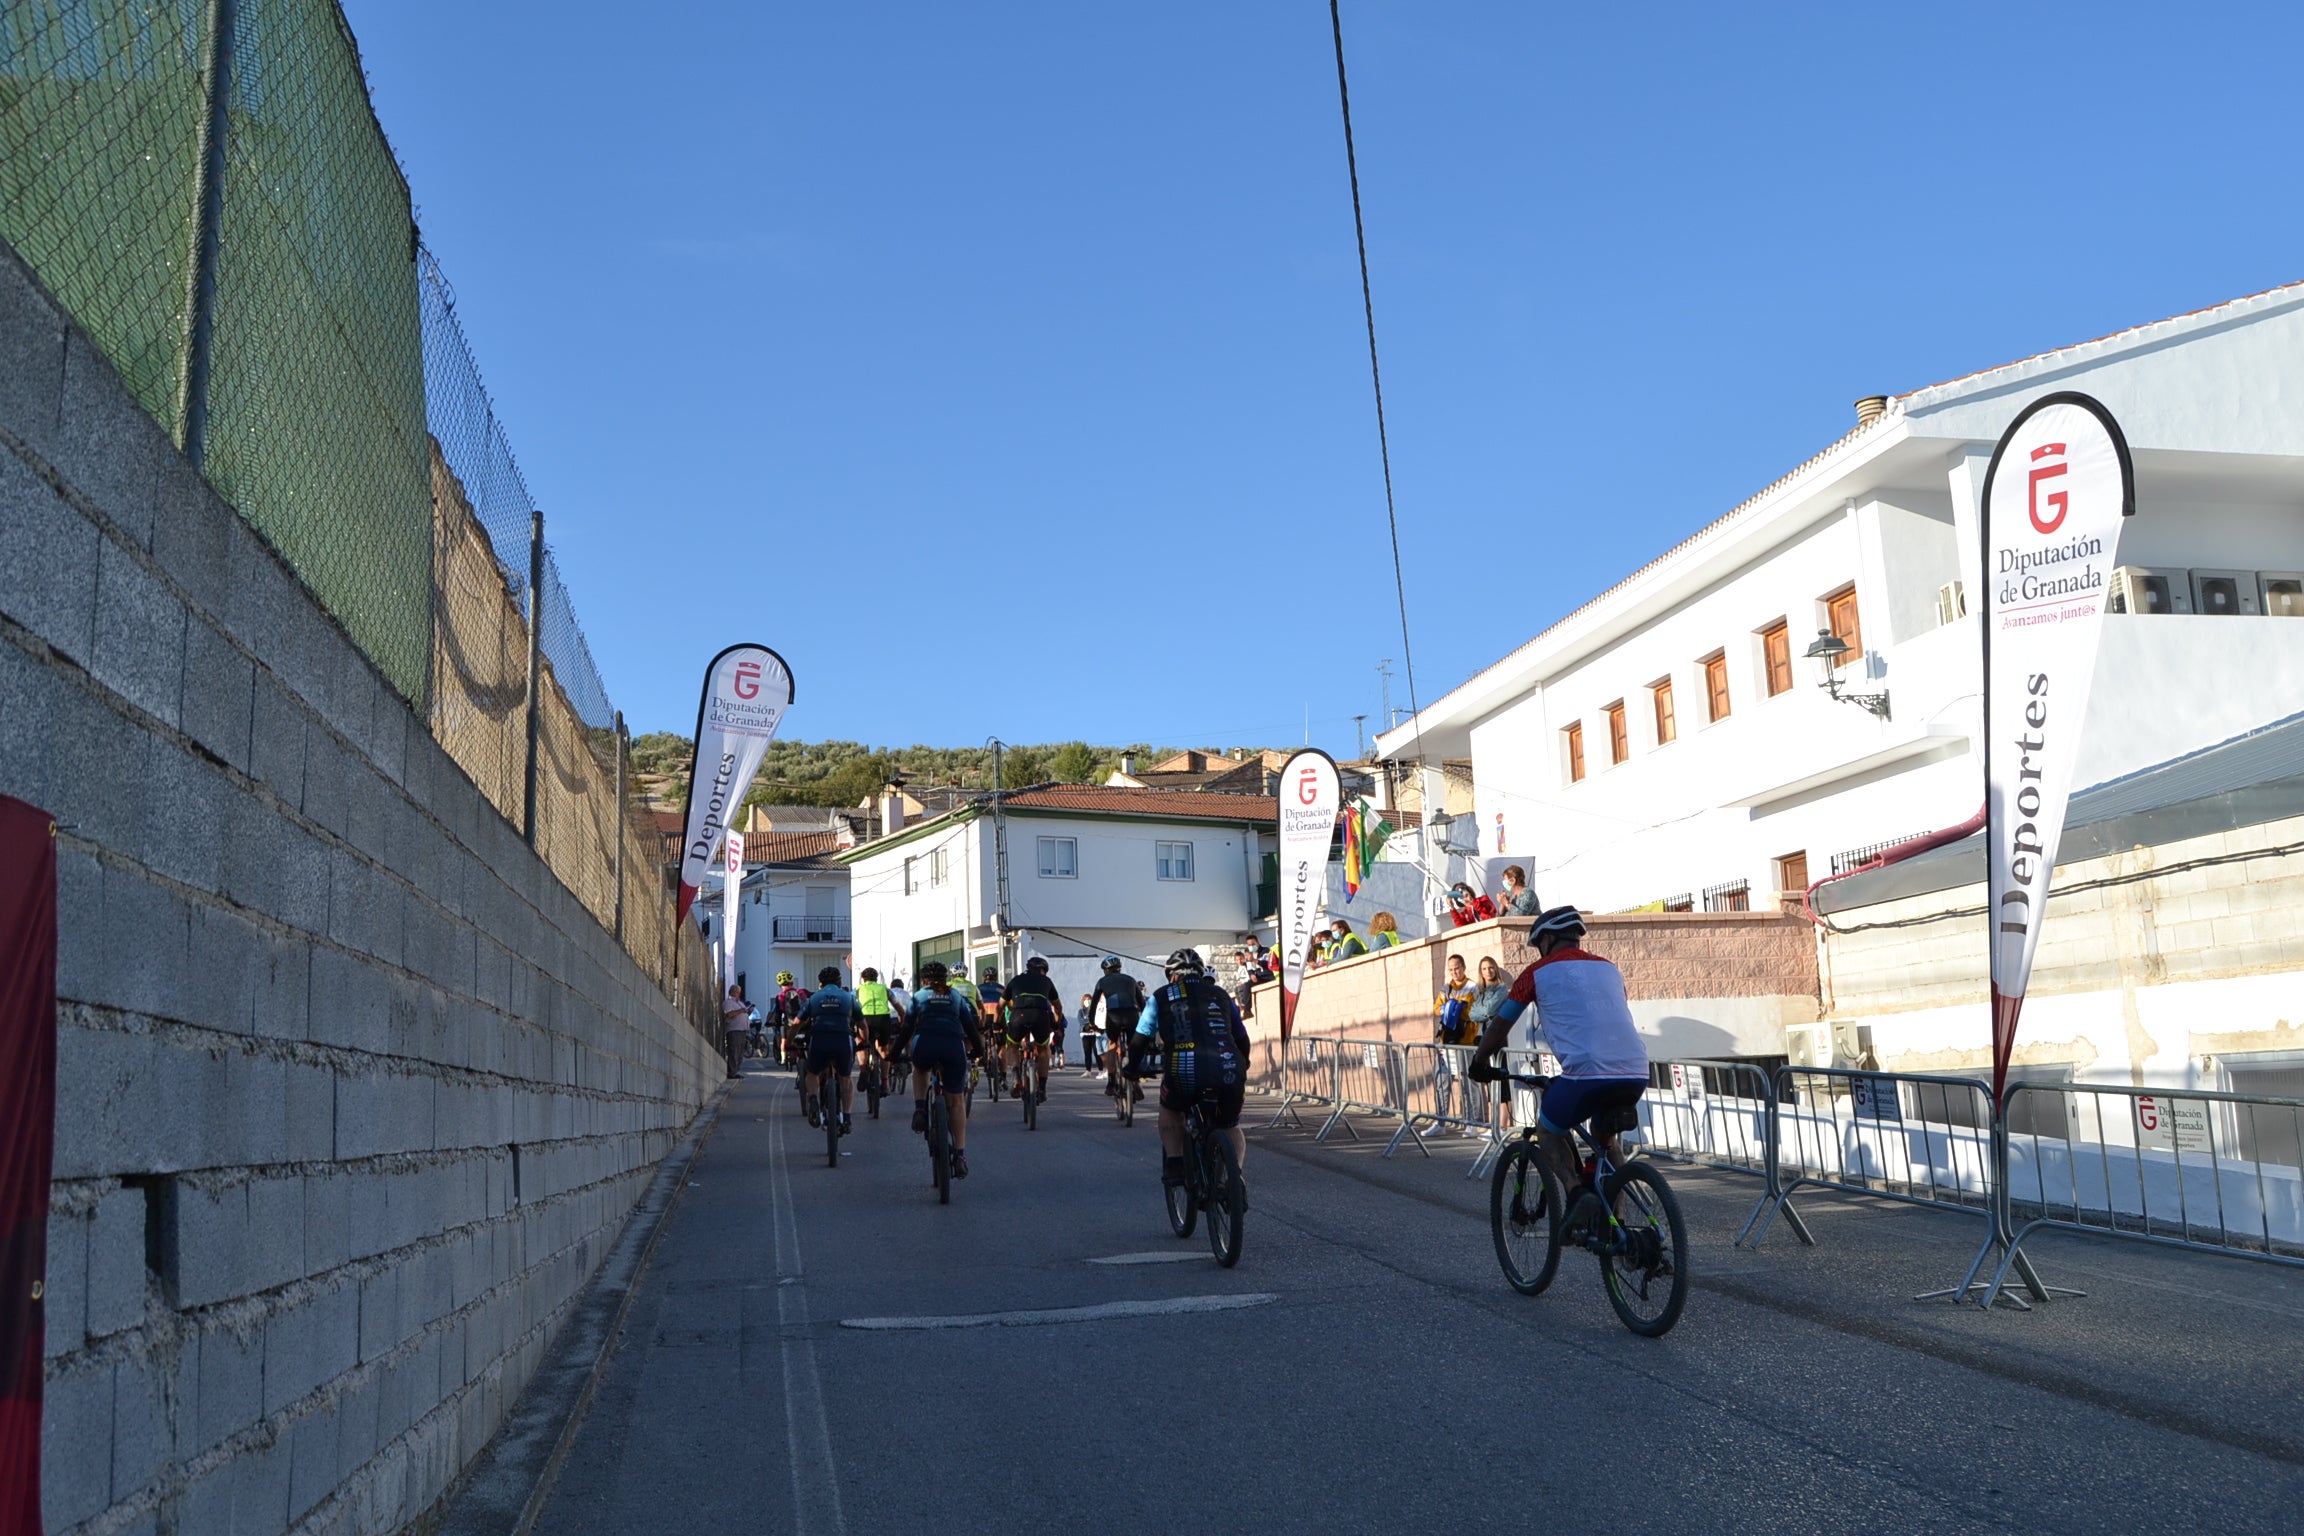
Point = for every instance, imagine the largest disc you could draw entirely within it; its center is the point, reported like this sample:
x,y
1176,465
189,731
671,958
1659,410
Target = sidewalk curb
x,y
508,1485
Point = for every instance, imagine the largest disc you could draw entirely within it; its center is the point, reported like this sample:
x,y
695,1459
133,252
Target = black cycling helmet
x,y
1186,962
1559,922
828,977
1111,962
868,974
933,974
1036,963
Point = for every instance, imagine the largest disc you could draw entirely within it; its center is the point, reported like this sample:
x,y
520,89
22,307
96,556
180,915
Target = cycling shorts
x,y
834,1049
1220,1105
888,1033
1018,1031
1573,1100
940,1059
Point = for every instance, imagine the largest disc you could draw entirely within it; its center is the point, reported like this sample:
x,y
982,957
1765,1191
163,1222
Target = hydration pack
x,y
1196,1028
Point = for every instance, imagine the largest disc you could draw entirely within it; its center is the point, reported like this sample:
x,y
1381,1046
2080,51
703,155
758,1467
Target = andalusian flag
x,y
1365,832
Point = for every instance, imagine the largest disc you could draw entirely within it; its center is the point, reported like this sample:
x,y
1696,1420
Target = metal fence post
x,y
535,667
198,346
623,827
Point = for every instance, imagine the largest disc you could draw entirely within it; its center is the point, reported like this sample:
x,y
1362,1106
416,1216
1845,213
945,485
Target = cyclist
x,y
831,1016
1586,1021
786,1005
989,996
944,1035
1193,1013
1035,1012
1121,997
963,989
883,1020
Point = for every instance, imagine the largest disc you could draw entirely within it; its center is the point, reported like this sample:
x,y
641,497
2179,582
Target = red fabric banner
x,y
27,1143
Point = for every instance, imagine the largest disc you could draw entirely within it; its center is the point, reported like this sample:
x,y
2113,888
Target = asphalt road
x,y
1366,1368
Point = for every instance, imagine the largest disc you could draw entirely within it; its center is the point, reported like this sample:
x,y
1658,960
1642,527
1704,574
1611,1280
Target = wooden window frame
x,y
1575,739
1776,658
1667,718
1718,705
1619,735
1839,601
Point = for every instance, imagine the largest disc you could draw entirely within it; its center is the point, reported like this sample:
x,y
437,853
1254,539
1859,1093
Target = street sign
x,y
1875,1098
2173,1125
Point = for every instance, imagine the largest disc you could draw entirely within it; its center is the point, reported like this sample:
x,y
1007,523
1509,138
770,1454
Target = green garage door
x,y
946,947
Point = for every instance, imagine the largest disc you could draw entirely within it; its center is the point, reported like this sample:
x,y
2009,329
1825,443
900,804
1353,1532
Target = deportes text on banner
x,y
1309,792
731,906
747,688
2059,484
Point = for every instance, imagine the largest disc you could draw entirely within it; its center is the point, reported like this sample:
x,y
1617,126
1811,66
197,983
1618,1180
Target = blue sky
x,y
1002,365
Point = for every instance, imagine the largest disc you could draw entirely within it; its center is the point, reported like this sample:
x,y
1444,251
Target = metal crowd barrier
x,y
1304,1074
2192,1168
1365,1077
1440,1097
1721,1113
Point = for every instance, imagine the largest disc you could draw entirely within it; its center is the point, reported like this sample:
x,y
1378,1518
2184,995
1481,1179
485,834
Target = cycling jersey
x,y
964,990
1198,1011
832,1011
1583,1014
1121,996
942,1016
1032,985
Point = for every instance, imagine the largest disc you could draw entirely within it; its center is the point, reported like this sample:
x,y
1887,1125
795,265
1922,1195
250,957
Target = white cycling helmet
x,y
1559,922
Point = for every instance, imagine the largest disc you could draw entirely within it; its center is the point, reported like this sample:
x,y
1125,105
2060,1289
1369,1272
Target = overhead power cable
x,y
1376,376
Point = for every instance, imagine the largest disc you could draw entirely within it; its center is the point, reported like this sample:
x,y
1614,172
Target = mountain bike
x,y
940,1143
1641,1242
868,1084
831,1108
1212,1184
1030,1078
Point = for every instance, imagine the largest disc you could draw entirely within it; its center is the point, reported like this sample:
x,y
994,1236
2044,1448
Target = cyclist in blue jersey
x,y
945,1033
1194,1015
1586,1021
831,1015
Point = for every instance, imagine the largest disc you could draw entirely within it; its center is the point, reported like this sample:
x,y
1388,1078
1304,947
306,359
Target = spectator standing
x,y
1488,994
736,1026
1519,901
1451,1026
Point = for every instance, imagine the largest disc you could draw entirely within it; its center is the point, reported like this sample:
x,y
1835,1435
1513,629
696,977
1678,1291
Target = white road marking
x,y
1158,1256
808,1433
1095,1314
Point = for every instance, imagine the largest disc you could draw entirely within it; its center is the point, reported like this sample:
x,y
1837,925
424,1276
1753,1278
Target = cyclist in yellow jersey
x,y
883,1019
965,990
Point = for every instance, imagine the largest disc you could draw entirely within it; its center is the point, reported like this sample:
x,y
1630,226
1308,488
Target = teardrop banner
x,y
731,906
1309,795
747,688
2059,484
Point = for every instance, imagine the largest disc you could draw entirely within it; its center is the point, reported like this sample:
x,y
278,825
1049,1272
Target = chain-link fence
x,y
203,183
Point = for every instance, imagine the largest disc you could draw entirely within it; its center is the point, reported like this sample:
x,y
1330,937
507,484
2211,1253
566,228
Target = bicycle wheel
x,y
872,1091
1645,1268
1523,1212
1227,1199
832,1129
1124,1102
1031,1097
1183,1208
940,1143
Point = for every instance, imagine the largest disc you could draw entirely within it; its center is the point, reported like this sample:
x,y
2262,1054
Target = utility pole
x,y
999,855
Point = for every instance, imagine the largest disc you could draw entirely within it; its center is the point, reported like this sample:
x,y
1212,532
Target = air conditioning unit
x,y
2140,589
1808,1045
1951,602
2283,593
2226,594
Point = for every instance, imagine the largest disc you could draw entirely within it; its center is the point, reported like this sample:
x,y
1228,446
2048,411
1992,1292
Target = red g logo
x,y
748,677
2057,500
1308,785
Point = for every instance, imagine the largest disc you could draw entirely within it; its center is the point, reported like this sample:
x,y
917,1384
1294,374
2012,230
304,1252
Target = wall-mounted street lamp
x,y
1828,651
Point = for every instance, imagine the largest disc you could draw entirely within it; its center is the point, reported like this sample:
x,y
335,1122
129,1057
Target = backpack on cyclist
x,y
1196,1028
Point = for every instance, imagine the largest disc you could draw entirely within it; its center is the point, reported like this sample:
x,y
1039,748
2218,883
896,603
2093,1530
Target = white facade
x,y
1080,885
794,919
2207,403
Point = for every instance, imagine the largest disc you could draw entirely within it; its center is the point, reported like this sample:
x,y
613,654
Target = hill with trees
x,y
848,772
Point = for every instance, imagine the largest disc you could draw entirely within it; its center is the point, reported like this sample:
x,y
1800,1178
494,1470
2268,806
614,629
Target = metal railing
x,y
2191,1168
1363,1076
809,930
1720,1113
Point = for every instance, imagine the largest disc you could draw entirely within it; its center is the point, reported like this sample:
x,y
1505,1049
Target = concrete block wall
x,y
1705,983
353,1095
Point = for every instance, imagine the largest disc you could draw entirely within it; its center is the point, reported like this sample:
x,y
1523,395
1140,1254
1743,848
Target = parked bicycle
x,y
1639,1237
1212,1184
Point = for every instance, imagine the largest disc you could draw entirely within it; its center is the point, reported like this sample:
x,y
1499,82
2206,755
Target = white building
x,y
794,911
1669,741
1092,870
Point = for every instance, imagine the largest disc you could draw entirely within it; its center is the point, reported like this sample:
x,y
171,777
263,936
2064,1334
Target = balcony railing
x,y
810,930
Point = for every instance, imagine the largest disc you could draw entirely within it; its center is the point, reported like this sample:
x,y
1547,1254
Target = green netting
x,y
100,111
316,402
315,398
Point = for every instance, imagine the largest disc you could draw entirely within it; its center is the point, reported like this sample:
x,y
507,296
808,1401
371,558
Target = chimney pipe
x,y
1870,409
1128,764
